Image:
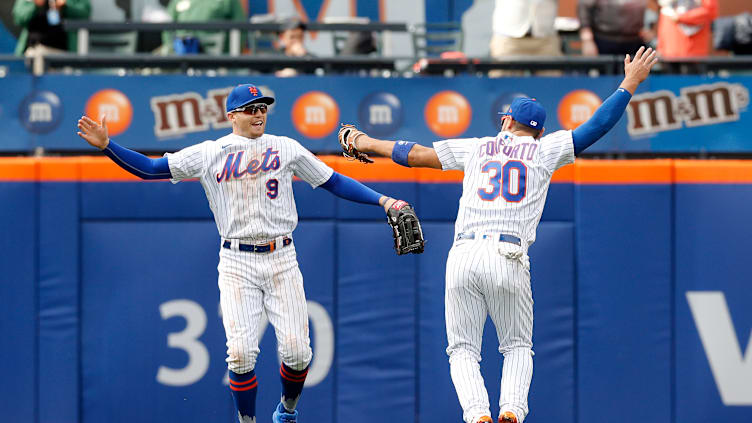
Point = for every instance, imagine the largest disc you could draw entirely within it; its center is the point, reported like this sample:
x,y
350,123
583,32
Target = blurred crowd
x,y
677,28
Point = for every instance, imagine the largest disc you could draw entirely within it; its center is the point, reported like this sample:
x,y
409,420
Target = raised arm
x,y
635,71
132,161
405,153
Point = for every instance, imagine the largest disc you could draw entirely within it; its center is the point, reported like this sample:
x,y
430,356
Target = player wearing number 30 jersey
x,y
503,193
247,176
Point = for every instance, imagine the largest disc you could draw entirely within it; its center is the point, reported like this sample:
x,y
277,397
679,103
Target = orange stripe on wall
x,y
63,169
713,171
18,169
618,172
586,172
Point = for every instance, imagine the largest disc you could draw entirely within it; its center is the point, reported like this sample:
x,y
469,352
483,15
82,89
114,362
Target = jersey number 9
x,y
272,188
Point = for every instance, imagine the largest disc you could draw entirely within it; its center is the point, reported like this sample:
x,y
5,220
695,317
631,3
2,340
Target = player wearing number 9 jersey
x,y
506,179
247,177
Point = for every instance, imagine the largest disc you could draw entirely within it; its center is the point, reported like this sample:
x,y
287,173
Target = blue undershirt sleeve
x,y
138,164
350,189
602,120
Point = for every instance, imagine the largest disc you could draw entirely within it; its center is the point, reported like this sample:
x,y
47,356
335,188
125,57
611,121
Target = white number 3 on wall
x,y
186,340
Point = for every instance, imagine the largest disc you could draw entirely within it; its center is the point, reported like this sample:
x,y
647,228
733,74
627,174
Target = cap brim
x,y
267,100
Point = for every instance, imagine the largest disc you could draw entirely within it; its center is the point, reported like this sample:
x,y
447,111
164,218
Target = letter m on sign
x,y
732,371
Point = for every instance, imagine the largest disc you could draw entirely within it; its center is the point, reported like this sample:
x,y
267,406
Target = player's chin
x,y
258,130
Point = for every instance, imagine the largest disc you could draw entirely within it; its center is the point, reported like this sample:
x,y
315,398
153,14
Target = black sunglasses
x,y
251,109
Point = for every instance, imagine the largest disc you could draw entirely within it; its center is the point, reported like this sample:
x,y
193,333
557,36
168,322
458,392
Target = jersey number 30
x,y
507,181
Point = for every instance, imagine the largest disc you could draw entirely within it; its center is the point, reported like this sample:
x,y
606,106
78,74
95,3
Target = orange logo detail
x,y
448,114
253,90
315,114
115,105
577,107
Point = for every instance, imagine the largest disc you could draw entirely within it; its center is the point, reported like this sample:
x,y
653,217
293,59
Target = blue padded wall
x,y
59,250
624,287
713,244
87,267
376,325
18,314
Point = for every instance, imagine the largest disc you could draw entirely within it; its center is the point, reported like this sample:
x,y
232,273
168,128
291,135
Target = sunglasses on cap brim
x,y
251,109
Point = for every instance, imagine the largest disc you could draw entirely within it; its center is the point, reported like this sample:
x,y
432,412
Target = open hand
x,y
638,69
94,133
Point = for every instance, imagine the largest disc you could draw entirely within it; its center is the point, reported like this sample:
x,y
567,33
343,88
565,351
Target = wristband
x,y
400,152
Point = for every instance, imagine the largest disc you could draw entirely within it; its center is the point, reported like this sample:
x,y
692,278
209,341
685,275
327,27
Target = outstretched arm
x,y
345,187
635,71
403,152
132,161
408,235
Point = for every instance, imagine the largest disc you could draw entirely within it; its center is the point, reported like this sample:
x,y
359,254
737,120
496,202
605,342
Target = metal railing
x,y
234,29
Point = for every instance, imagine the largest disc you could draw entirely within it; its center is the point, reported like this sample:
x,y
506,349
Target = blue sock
x,y
243,388
292,385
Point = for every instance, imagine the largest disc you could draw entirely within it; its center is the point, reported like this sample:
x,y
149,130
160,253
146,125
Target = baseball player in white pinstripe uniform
x,y
247,176
488,271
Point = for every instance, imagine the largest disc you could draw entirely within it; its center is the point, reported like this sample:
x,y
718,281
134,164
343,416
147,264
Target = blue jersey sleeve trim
x,y
350,189
138,164
602,120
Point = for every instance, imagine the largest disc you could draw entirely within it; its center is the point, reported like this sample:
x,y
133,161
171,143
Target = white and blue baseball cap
x,y
528,112
245,94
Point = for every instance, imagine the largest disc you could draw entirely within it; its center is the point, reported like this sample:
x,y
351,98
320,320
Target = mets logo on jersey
x,y
233,165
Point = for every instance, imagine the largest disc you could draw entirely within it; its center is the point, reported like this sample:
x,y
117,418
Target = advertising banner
x,y
169,112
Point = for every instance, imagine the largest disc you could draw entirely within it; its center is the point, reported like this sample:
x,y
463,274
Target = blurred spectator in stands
x,y
359,43
186,41
525,28
733,33
684,27
290,42
42,23
291,38
612,26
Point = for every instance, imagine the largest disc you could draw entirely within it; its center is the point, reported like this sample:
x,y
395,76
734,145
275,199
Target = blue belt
x,y
263,248
502,237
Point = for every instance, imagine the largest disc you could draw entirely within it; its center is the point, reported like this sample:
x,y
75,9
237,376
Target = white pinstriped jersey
x,y
506,179
248,182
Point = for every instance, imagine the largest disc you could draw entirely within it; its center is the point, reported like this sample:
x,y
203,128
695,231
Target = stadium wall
x,y
640,276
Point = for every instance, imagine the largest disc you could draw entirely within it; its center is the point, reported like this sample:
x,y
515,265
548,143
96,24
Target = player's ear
x,y
540,134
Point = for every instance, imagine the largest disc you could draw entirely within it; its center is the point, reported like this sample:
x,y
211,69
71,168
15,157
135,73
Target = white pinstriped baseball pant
x,y
487,277
250,283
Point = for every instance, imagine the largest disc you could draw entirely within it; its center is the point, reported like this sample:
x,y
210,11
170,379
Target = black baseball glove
x,y
347,136
408,236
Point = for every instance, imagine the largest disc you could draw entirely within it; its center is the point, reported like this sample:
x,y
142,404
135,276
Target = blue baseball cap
x,y
528,112
246,94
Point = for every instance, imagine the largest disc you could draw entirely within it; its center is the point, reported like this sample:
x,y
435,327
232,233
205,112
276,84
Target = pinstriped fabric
x,y
248,183
485,277
272,282
539,158
246,207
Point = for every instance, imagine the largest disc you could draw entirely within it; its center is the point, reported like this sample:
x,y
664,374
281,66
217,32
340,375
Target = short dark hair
x,y
535,133
292,23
